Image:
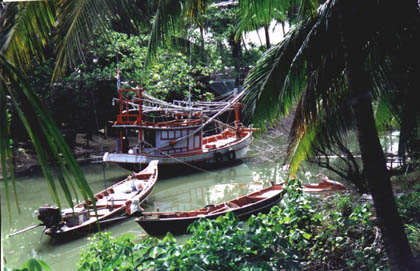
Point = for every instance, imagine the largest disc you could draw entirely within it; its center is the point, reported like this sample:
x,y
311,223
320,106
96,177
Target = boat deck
x,y
219,143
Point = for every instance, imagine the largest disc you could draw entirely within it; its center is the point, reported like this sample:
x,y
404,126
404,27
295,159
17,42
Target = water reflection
x,y
198,190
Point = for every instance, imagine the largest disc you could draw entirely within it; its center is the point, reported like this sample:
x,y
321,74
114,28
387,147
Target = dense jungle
x,y
330,86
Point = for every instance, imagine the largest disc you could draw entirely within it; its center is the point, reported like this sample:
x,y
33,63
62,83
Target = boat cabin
x,y
178,133
175,138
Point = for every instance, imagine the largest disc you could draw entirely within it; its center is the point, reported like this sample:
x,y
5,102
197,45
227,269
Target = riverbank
x,y
87,150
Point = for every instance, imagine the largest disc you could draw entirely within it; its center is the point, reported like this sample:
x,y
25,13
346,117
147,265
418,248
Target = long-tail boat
x,y
177,133
160,223
112,204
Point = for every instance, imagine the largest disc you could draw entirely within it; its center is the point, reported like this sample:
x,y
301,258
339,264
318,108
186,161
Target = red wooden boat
x,y
113,204
177,133
159,223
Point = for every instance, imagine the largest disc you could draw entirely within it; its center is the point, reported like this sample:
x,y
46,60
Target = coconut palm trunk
x,y
373,158
380,187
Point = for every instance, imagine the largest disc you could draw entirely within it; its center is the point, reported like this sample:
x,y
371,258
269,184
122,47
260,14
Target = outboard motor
x,y
49,215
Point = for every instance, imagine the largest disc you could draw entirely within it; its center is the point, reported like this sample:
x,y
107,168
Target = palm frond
x,y
266,97
324,132
313,74
53,153
301,139
256,14
5,152
171,16
78,21
26,29
385,116
326,77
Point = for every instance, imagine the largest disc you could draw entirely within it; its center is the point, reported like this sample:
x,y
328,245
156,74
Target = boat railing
x,y
126,115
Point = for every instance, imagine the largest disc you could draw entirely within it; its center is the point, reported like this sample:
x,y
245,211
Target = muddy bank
x,y
86,150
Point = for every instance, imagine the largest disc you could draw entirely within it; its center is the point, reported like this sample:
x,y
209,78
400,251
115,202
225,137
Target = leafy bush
x,y
170,76
409,207
292,236
349,241
32,265
413,235
106,253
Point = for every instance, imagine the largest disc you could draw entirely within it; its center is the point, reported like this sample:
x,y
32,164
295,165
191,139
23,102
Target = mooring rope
x,y
180,161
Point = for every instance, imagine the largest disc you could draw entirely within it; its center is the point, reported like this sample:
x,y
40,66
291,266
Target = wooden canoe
x,y
159,223
113,204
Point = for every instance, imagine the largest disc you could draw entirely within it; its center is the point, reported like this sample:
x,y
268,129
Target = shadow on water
x,y
178,170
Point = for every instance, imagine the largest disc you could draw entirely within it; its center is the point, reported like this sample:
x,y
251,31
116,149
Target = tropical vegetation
x,y
293,236
337,74
302,233
50,43
334,84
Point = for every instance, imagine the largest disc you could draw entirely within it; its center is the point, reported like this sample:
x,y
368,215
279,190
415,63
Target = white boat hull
x,y
229,152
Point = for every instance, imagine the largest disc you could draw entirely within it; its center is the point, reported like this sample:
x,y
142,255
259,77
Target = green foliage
x,y
53,153
87,90
347,239
293,236
221,25
170,76
409,207
106,253
413,235
32,265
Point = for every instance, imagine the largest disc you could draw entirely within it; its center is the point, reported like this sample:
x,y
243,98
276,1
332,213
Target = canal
x,y
261,166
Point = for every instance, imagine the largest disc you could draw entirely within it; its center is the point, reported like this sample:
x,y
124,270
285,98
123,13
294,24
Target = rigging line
x,y
148,108
178,104
202,125
182,162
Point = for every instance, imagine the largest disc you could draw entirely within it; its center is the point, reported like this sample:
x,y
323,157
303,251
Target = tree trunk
x,y
374,163
267,37
236,55
373,158
283,28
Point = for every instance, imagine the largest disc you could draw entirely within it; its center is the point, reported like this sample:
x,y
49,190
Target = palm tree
x,y
333,67
26,29
254,16
333,70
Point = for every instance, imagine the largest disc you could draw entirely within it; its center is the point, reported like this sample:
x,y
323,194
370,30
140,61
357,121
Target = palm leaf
x,y
265,97
314,73
171,17
53,153
5,153
26,29
79,20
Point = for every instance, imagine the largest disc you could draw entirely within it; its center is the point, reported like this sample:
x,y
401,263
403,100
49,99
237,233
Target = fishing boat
x,y
177,133
112,204
160,223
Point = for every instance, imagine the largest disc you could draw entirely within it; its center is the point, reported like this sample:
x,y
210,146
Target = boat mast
x,y
140,119
120,119
237,105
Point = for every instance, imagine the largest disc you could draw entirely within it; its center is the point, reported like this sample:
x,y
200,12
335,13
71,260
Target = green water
x,y
170,194
259,168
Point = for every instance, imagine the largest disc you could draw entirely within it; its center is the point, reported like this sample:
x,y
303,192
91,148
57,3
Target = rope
x,y
202,125
182,162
